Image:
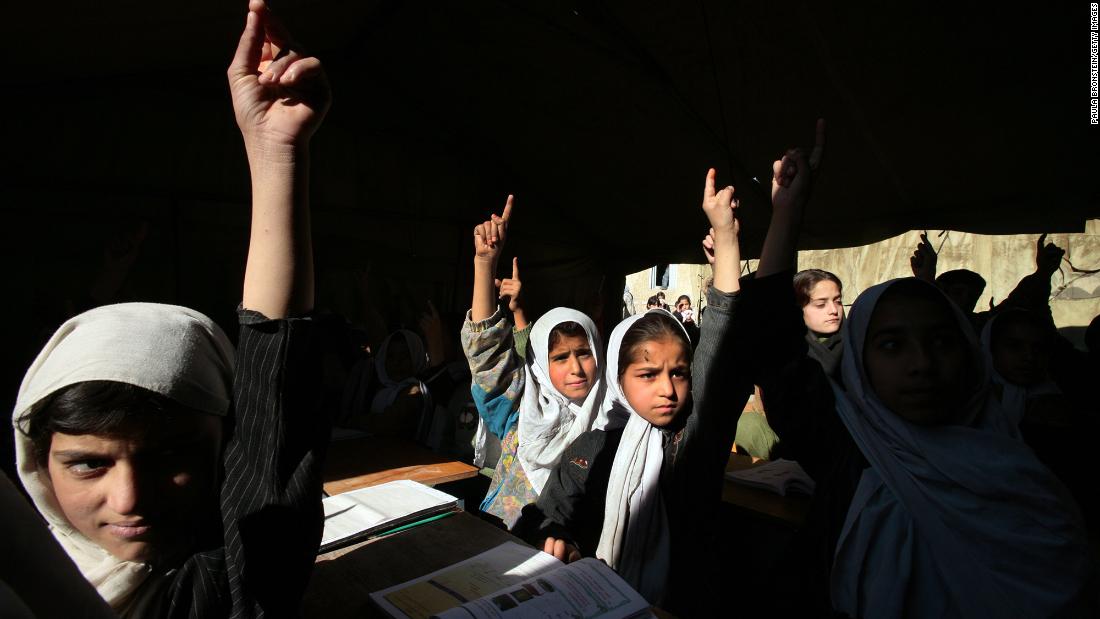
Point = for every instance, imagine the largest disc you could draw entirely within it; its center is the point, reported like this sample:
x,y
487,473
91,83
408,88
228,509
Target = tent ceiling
x,y
602,117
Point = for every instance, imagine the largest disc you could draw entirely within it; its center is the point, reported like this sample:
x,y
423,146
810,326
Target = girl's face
x,y
917,359
657,383
572,367
825,312
144,494
1020,354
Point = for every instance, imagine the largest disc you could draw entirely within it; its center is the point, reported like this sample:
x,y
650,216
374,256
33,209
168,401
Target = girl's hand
x,y
511,287
489,236
1048,256
562,551
719,208
279,94
923,261
721,245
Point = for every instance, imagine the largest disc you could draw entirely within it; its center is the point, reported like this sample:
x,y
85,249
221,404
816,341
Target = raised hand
x,y
511,287
721,245
279,98
489,236
1048,256
792,175
720,206
489,240
279,94
923,261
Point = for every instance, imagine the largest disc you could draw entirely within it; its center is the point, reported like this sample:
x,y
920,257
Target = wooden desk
x,y
343,579
790,510
362,462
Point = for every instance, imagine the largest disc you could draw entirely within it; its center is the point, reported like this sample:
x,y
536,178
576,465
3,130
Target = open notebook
x,y
357,515
513,580
779,476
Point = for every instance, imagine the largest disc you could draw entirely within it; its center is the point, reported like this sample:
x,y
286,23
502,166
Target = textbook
x,y
357,515
513,580
778,476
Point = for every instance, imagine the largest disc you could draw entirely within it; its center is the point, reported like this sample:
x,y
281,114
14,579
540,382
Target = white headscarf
x,y
950,520
548,421
1013,397
635,537
173,351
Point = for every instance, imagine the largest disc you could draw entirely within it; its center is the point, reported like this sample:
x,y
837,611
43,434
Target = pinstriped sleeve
x,y
271,494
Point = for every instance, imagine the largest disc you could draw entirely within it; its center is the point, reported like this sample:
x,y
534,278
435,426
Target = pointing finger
x,y
708,187
507,208
515,267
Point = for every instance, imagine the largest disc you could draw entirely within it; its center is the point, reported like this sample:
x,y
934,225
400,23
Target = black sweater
x,y
271,513
802,410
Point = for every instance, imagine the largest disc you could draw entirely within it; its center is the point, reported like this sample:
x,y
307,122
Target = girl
x,y
927,504
120,422
819,294
640,494
536,407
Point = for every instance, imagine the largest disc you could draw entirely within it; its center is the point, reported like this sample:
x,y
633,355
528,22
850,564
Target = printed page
x,y
777,476
586,589
504,566
361,510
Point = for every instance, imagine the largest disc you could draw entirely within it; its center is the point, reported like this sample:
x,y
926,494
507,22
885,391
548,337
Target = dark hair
x,y
650,327
563,330
963,277
683,297
652,302
90,407
804,282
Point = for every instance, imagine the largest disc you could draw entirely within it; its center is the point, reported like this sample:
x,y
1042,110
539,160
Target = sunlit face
x,y
825,312
572,367
916,358
144,494
683,304
657,383
1020,354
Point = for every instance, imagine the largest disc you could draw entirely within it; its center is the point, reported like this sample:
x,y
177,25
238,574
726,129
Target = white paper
x,y
586,589
777,476
505,566
360,510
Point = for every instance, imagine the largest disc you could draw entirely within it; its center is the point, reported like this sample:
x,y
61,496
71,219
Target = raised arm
x,y
719,208
280,96
489,240
792,176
